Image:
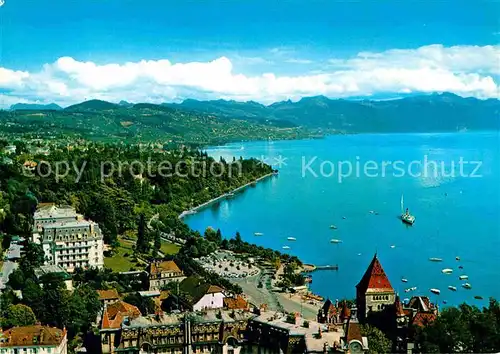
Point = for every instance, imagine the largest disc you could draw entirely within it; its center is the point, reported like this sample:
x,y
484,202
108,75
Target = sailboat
x,y
406,217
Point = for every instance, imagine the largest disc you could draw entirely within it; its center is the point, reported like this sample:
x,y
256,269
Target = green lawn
x,y
169,248
120,263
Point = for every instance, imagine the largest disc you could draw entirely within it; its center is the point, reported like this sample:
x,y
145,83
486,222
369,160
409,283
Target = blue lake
x,y
457,209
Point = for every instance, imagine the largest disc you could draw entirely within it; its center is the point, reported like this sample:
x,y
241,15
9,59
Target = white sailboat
x,y
406,217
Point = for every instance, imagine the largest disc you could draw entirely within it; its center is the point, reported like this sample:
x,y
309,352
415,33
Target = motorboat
x,y
478,297
467,286
452,288
435,291
258,234
404,280
434,259
463,277
393,246
286,247
333,227
291,238
334,240
447,271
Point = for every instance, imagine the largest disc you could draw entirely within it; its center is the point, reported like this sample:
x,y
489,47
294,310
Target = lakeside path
x,y
223,196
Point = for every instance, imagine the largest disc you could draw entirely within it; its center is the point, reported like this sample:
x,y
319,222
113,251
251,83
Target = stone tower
x,y
374,291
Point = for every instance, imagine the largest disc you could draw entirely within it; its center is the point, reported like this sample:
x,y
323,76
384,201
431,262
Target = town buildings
x,y
67,239
34,340
162,273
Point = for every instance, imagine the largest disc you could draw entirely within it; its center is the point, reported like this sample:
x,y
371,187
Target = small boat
x,y
435,291
406,217
258,234
229,195
393,246
286,247
291,238
410,289
343,217
447,271
457,258
334,240
404,280
333,227
434,259
372,212
452,288
359,254
463,277
445,302
467,286
460,267
478,297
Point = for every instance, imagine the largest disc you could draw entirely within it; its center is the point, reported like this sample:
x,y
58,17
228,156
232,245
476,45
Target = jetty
x,y
221,197
312,268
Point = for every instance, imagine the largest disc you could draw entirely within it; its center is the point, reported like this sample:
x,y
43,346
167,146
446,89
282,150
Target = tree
x,y
16,279
144,304
157,244
378,342
142,241
33,256
19,315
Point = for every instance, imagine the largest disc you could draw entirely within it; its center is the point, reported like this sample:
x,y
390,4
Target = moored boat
x,y
447,271
334,240
452,288
467,286
435,291
434,259
463,277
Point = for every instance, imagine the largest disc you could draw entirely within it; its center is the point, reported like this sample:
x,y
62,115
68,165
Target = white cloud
x,y
464,70
299,61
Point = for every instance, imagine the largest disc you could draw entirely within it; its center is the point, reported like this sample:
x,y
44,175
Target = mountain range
x,y
425,113
443,112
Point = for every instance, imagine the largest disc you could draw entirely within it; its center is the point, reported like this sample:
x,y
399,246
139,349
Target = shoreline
x,y
223,196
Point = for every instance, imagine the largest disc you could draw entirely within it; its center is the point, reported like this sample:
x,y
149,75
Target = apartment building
x,y
68,240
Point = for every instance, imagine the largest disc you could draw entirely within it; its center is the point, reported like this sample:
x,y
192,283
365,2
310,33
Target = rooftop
x,y
32,336
114,314
375,279
50,210
166,266
110,294
51,268
69,224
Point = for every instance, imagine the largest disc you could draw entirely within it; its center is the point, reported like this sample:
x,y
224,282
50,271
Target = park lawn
x,y
120,263
169,248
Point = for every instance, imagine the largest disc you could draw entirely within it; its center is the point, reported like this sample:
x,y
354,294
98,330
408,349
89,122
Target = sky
x,y
263,50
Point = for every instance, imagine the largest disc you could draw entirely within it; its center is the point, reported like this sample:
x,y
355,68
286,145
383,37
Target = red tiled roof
x,y
423,319
115,313
399,307
353,332
235,303
374,278
345,312
166,266
33,336
108,294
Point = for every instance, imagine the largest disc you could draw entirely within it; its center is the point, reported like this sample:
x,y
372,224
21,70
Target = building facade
x,y
162,273
68,241
34,340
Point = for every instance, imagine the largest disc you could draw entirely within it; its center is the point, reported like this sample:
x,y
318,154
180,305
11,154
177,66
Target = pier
x,y
311,267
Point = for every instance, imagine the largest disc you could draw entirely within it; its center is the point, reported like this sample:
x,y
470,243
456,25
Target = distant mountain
x,y
125,104
35,106
92,106
103,120
423,113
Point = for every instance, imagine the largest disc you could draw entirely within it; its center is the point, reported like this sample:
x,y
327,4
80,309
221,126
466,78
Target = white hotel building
x,y
68,240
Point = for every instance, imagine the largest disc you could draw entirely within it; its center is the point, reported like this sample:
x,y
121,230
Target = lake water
x,y
457,214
